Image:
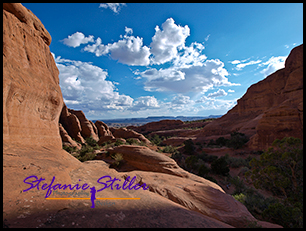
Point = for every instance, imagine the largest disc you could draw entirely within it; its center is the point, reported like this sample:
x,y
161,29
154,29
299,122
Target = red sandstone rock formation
x,y
88,129
29,116
71,124
157,126
128,133
66,139
270,109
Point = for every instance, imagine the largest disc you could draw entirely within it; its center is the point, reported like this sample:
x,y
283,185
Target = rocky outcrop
x,y
66,139
71,124
128,133
270,109
32,98
88,129
33,148
157,126
104,133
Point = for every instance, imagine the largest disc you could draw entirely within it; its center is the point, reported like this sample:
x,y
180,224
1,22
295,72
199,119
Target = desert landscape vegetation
x,y
244,169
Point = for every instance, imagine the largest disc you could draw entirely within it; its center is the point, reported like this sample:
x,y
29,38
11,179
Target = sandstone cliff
x,y
30,117
270,109
32,105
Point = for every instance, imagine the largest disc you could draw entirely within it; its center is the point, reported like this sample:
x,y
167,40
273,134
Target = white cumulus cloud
x,y
77,39
166,42
187,78
129,50
85,85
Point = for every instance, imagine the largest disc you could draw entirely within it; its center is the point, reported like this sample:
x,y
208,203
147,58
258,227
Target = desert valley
x,y
199,173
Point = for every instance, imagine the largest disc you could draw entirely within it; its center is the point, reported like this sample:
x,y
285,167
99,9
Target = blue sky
x,y
138,60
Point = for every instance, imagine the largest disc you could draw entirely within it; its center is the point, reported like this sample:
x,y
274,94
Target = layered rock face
x,y
175,198
270,109
32,98
74,124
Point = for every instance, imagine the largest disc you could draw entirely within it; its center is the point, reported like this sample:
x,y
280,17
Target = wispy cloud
x,y
218,93
273,64
115,7
240,64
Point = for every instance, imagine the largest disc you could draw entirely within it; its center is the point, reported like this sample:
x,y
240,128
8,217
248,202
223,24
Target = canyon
x,y
37,123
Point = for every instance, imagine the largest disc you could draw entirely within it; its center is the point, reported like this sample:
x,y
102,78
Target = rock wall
x,y
270,109
32,98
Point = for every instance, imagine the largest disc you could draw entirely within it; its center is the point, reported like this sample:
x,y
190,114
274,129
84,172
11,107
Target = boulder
x,y
66,139
127,133
71,124
104,133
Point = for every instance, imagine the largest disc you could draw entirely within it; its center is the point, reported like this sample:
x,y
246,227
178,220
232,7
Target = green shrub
x,y
118,142
118,159
240,197
177,156
86,156
203,170
207,158
155,139
69,149
238,183
132,141
237,140
91,142
169,149
220,166
189,147
85,149
221,141
191,162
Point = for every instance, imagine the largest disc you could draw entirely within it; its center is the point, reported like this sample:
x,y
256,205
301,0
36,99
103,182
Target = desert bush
x,y
155,139
203,170
86,156
238,183
220,166
177,156
169,149
69,149
132,141
280,170
118,157
207,158
91,142
221,141
237,140
85,149
189,147
240,197
191,162
118,142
